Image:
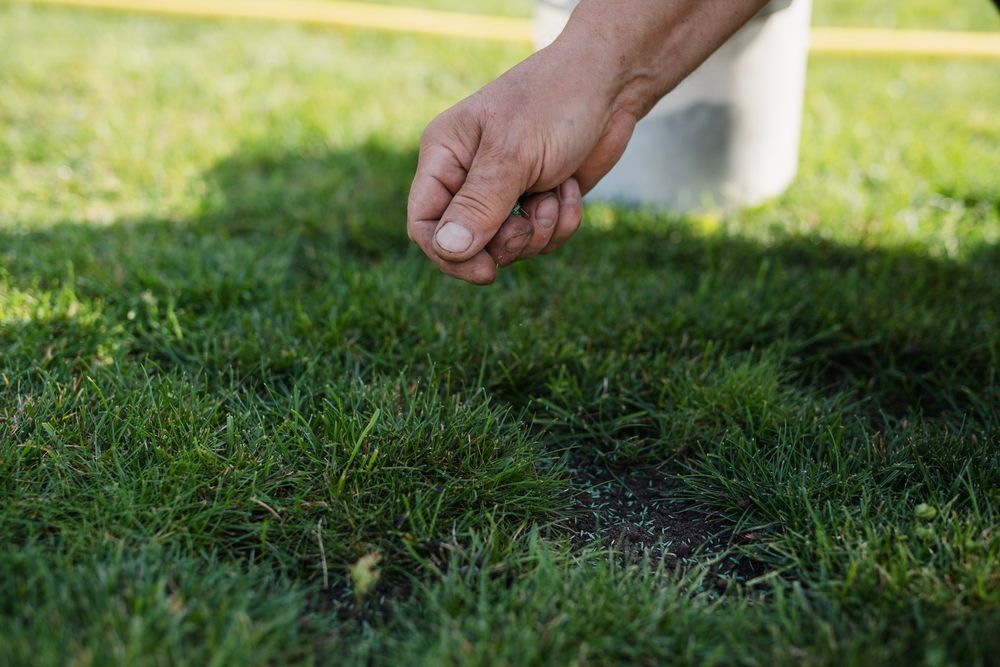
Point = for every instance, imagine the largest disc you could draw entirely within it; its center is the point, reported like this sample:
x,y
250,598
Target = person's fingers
x,y
438,177
542,210
552,218
480,269
570,215
479,208
506,246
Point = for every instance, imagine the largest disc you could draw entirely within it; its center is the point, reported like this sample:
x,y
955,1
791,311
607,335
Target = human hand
x,y
551,127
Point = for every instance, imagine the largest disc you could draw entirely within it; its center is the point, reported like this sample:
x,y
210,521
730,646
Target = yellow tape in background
x,y
946,43
859,41
321,12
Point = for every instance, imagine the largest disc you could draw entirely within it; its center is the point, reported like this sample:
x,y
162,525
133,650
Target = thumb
x,y
478,209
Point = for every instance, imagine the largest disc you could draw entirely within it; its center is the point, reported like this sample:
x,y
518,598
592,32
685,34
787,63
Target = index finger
x,y
439,176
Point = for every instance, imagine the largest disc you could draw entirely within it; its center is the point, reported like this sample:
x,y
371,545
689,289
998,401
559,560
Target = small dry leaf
x,y
364,574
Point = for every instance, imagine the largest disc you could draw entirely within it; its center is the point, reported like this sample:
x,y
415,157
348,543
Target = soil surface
x,y
641,512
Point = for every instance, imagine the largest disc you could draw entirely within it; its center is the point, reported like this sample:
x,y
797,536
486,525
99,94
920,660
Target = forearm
x,y
553,125
644,48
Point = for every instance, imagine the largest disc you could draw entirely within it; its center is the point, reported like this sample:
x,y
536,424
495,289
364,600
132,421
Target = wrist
x,y
646,47
605,67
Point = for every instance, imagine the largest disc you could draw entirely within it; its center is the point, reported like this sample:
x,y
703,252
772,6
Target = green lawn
x,y
225,376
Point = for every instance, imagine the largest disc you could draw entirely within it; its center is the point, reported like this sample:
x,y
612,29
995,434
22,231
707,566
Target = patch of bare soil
x,y
640,513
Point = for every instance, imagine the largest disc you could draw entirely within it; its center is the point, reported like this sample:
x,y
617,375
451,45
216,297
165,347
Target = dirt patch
x,y
377,607
640,512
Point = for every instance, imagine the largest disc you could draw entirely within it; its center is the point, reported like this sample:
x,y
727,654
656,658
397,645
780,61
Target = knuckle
x,y
438,122
503,151
430,139
515,227
434,133
429,135
451,125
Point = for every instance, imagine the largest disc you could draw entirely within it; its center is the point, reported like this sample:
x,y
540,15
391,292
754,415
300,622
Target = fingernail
x,y
516,243
453,237
547,211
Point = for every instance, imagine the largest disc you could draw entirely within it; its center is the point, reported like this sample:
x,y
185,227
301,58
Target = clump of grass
x,y
124,606
389,465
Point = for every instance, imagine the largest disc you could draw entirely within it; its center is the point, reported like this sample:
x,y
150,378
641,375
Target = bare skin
x,y
553,126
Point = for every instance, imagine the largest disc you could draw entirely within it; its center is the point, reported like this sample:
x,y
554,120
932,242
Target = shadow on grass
x,y
915,331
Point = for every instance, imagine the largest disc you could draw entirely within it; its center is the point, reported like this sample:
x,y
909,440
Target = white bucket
x,y
728,135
